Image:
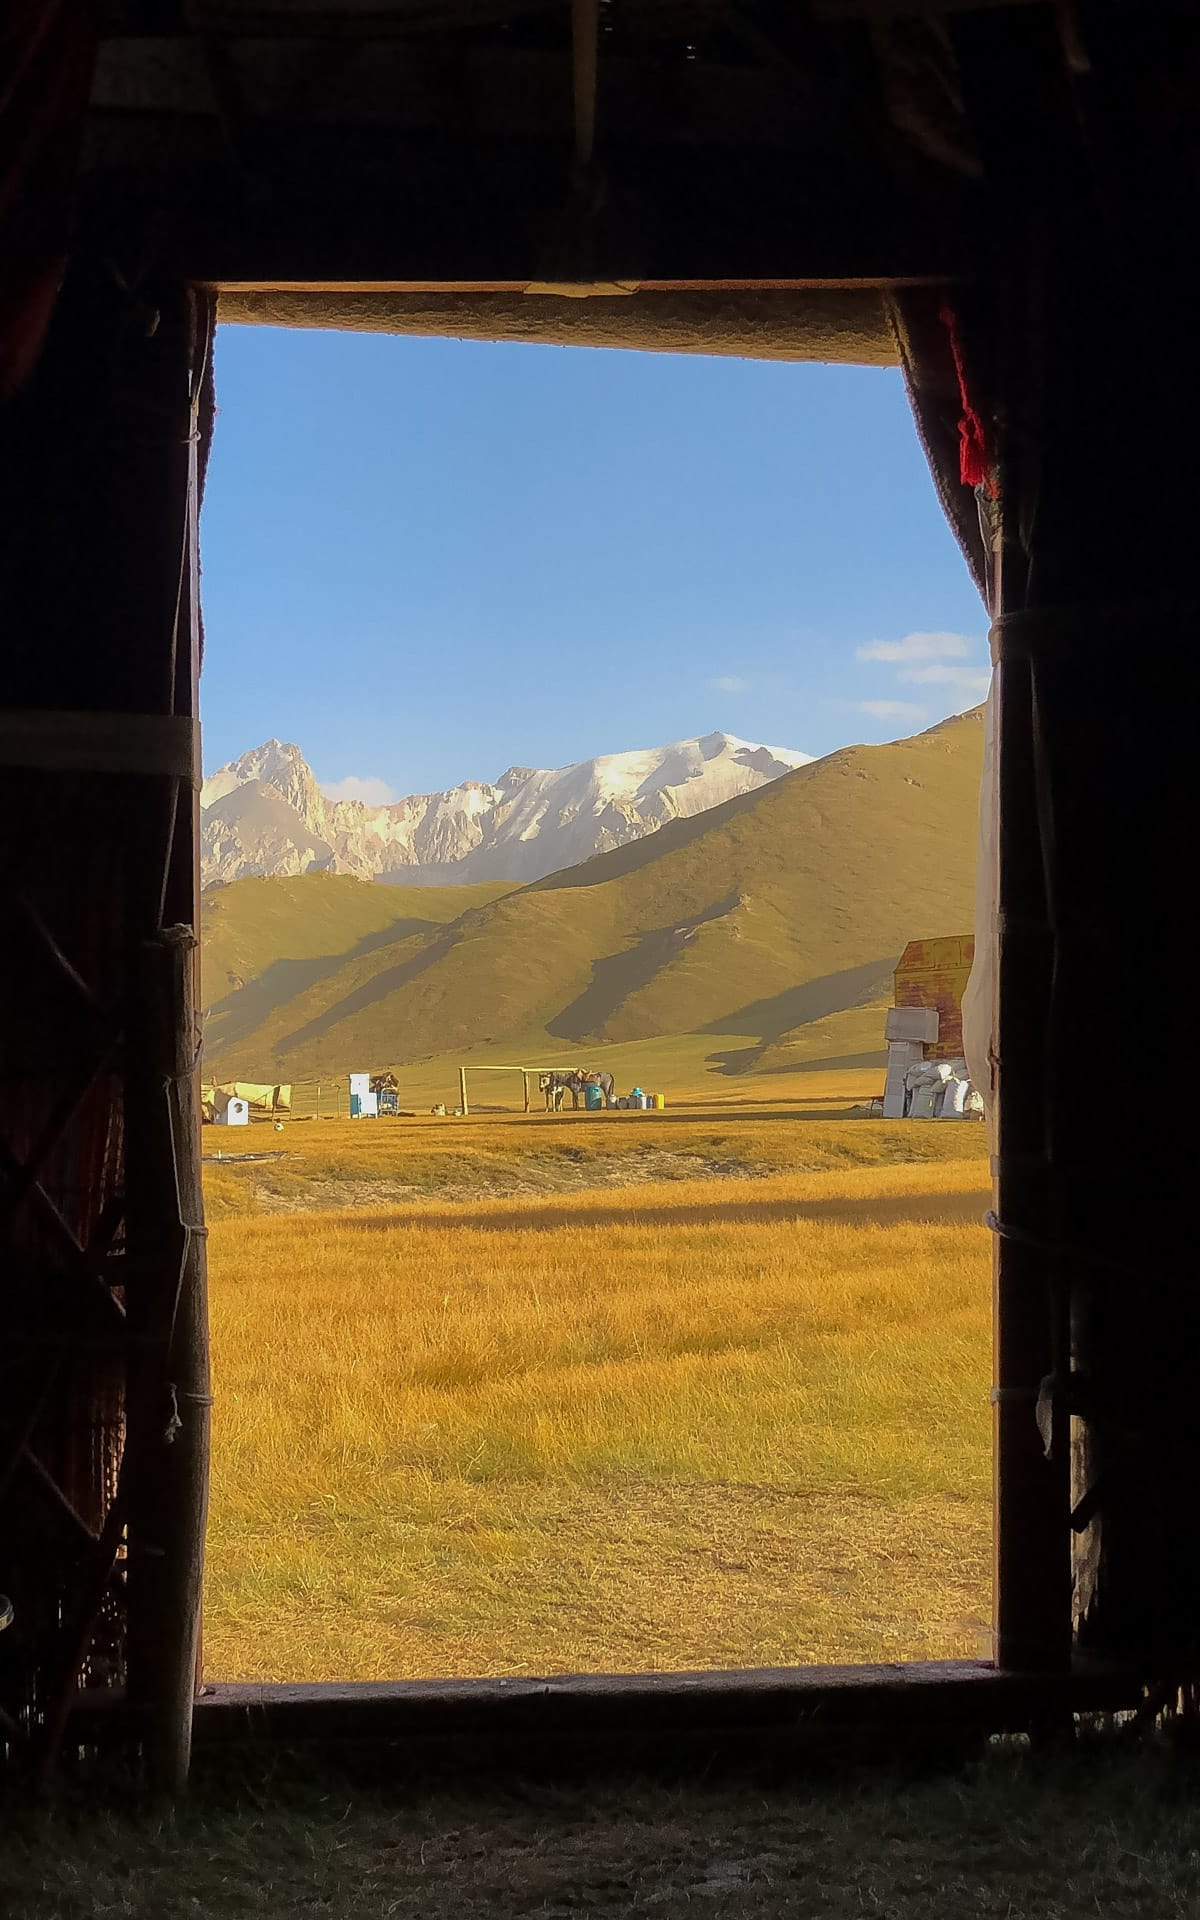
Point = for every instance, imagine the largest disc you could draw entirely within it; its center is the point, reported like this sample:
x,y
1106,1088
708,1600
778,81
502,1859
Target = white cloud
x,y
371,791
941,660
891,709
728,683
919,646
969,683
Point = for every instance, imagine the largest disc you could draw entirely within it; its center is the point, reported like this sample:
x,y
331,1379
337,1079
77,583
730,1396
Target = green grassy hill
x,y
757,937
267,943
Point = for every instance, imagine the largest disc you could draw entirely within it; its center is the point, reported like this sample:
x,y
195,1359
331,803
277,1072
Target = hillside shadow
x,y
731,1062
619,975
376,988
810,1000
871,1210
833,1063
233,1019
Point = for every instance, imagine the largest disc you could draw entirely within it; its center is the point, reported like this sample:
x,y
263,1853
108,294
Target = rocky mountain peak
x,y
265,813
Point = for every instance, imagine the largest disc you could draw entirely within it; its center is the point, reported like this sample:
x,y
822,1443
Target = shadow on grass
x,y
377,988
810,1000
872,1210
704,1117
239,1013
618,976
837,1063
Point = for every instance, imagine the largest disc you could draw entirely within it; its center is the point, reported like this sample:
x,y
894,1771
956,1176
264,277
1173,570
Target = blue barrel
x,y
593,1099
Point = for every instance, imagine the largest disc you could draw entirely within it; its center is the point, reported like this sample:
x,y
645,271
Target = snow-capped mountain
x,y
266,814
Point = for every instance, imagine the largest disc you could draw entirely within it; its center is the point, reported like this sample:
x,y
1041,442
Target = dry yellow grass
x,y
329,1164
698,1421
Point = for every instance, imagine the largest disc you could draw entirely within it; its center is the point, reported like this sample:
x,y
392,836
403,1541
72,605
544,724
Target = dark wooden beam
x,y
442,162
600,290
326,206
836,10
1098,1305
1000,60
97,587
620,1718
412,19
1109,416
503,91
627,1709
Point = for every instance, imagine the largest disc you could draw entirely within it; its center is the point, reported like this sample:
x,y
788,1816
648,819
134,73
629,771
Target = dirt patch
x,y
528,1178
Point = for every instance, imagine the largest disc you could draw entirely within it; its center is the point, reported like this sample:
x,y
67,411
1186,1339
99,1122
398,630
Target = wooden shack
x,y
934,974
996,197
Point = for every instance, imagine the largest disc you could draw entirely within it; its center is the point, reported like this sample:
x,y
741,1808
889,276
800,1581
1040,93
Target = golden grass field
x,y
620,1392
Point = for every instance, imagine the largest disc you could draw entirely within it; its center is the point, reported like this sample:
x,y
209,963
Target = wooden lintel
x,y
835,10
502,91
877,283
424,172
323,211
628,1708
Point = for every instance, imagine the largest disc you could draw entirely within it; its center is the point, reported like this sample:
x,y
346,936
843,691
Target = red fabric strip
x,y
975,468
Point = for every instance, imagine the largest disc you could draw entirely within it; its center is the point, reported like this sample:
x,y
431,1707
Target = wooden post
x,y
98,487
1031,1341
462,1089
1097,641
168,1440
1116,594
1004,334
170,1504
525,1086
1031,1324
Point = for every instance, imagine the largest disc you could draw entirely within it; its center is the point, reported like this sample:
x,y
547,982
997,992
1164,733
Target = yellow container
x,y
660,1101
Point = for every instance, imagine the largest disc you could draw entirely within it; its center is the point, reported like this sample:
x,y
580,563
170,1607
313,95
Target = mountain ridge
x,y
265,814
762,923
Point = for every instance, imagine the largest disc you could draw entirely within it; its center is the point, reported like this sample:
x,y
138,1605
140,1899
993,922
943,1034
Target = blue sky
x,y
427,560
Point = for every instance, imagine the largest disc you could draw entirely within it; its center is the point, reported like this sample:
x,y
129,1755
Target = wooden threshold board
x,y
773,1699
